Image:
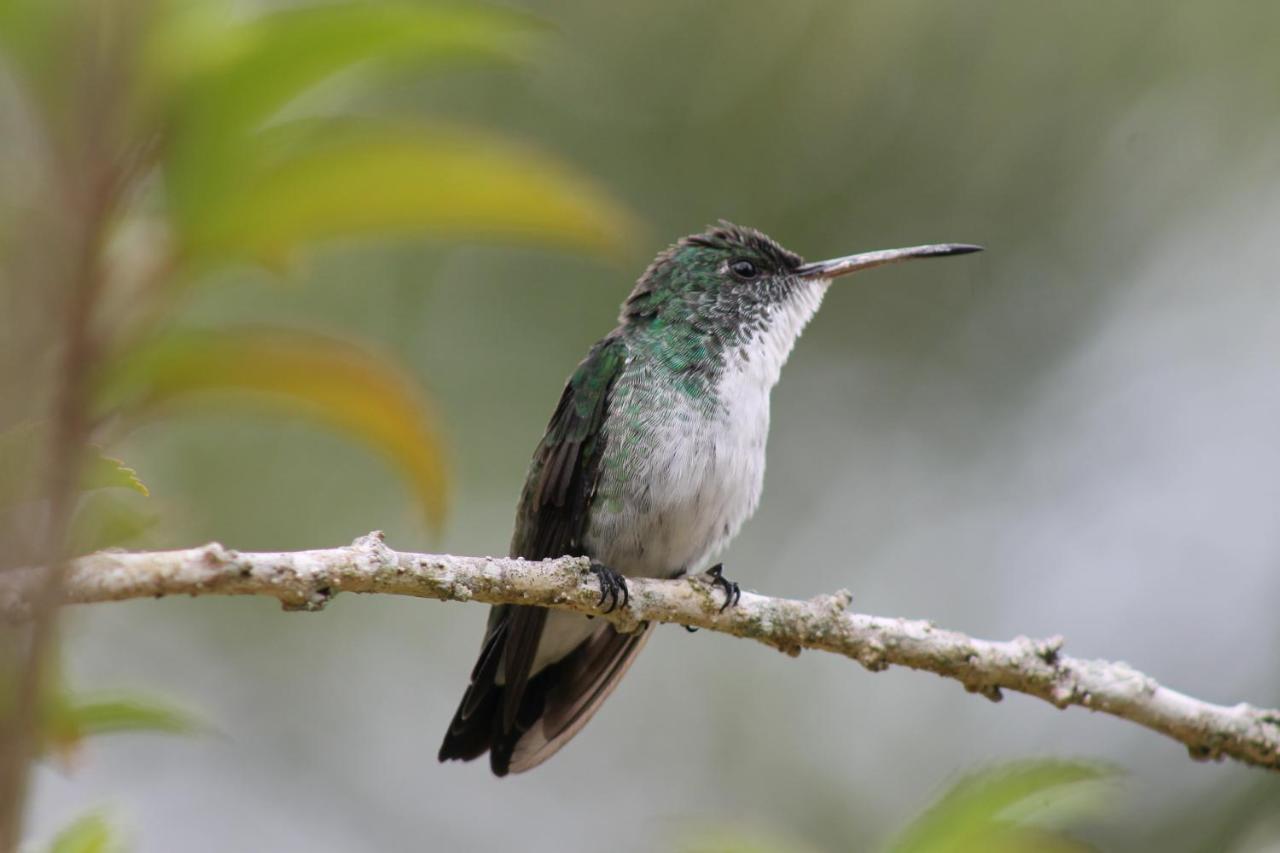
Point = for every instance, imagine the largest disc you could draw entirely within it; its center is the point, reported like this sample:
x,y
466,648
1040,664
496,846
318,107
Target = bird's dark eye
x,y
743,269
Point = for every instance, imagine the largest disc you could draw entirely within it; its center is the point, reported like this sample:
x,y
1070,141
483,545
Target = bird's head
x,y
735,284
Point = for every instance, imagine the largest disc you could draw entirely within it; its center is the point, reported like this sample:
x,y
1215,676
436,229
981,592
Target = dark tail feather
x,y
581,683
553,705
471,729
469,738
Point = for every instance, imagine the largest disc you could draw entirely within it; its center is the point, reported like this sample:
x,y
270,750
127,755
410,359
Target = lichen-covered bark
x,y
306,580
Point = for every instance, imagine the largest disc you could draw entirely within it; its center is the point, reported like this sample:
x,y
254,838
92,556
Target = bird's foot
x,y
690,629
731,590
613,587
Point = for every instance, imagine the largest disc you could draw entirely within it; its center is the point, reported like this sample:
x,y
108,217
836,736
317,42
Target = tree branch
x,y
306,580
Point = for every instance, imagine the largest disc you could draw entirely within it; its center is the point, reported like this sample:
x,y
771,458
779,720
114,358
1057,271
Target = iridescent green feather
x,y
553,512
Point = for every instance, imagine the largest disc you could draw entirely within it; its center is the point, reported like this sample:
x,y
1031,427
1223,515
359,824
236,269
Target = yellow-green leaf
x,y
88,834
240,73
323,180
987,811
228,74
330,380
105,472
106,520
70,719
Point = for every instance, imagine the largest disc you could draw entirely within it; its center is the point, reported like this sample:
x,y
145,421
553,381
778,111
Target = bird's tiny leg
x,y
613,586
690,629
732,592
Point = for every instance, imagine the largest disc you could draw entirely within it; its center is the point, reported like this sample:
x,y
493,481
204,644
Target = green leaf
x,y
988,811
240,193
88,834
106,472
228,75
70,719
106,520
67,718
320,180
329,380
23,451
236,75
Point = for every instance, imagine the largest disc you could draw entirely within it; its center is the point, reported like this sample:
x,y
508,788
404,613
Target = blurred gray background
x,y
1075,432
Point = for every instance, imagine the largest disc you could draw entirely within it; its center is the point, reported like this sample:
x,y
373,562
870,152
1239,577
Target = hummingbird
x,y
651,463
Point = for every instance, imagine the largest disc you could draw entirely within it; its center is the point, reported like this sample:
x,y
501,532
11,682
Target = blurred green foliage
x,y
70,718
329,380
21,449
171,140
91,833
1062,437
992,811
321,179
182,117
108,520
1020,807
1012,808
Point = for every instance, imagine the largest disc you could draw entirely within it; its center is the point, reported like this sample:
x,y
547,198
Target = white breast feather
x,y
701,478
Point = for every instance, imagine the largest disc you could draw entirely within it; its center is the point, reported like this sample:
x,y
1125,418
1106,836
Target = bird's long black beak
x,y
867,260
